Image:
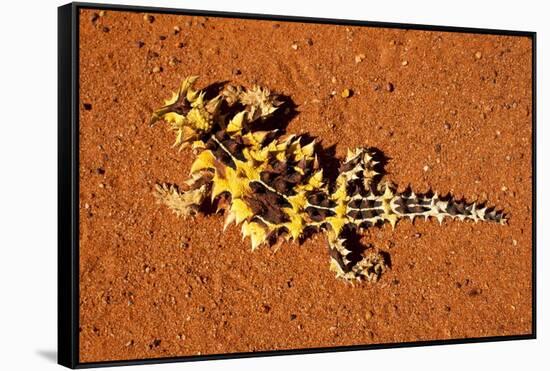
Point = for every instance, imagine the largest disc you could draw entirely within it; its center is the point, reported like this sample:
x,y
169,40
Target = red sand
x,y
153,285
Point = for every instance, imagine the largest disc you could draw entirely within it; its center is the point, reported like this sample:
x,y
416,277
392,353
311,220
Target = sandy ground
x,y
451,111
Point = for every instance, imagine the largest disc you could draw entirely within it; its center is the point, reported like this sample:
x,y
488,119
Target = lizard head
x,y
188,112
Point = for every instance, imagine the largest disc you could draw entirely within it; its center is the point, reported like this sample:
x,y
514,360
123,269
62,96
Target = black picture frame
x,y
68,182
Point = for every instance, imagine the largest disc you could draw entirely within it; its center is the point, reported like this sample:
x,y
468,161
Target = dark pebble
x,y
389,87
475,292
88,106
105,29
151,54
437,148
140,44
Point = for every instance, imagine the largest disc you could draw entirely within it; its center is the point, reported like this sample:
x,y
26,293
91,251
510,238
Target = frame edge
x,y
67,255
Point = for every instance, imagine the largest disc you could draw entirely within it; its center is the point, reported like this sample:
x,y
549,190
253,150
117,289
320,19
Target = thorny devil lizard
x,y
273,186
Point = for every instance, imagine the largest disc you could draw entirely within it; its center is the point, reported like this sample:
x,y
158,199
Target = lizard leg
x,y
360,170
185,203
354,265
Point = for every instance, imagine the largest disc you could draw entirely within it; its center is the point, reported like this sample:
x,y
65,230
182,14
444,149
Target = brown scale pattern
x,y
274,185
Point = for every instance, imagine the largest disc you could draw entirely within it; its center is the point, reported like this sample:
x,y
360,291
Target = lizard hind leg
x,y
362,169
352,261
185,203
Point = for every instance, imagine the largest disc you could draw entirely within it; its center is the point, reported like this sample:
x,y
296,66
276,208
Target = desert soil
x,y
451,111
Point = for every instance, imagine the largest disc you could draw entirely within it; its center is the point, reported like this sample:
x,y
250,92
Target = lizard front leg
x,y
185,202
353,265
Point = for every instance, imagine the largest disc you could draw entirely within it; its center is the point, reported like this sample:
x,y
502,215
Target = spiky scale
x,y
272,184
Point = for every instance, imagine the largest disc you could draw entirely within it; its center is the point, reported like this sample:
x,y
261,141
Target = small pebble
x,y
369,314
105,29
478,55
514,242
504,188
404,63
447,126
162,38
389,87
346,93
508,158
152,55
94,17
426,168
417,235
177,30
180,45
475,292
236,71
294,46
157,69
86,205
148,18
309,41
102,13
333,79
359,58
140,44
173,61
437,148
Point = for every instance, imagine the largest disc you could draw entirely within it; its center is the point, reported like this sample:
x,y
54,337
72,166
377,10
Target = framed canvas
x,y
236,185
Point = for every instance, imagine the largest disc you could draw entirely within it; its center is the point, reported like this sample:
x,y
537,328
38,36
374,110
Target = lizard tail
x,y
412,206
